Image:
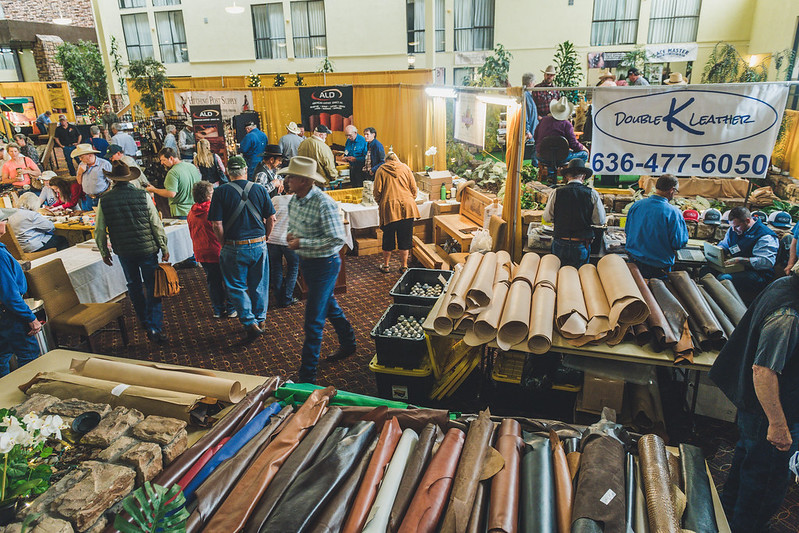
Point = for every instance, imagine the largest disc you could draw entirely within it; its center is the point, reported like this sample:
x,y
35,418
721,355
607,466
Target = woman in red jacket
x,y
69,192
207,248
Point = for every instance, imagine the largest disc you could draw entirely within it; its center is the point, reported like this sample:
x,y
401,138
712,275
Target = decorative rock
x,y
705,231
178,445
43,524
115,424
117,448
36,403
145,457
42,503
102,486
73,407
158,429
100,525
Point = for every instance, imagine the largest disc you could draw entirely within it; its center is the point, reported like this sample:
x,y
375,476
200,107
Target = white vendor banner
x,y
665,53
693,130
232,102
470,120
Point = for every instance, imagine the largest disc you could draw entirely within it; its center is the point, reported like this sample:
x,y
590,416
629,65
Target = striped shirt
x,y
315,220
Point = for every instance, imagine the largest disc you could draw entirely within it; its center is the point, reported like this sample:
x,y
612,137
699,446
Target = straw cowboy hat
x,y
83,149
122,172
47,175
561,109
292,128
550,70
605,74
675,78
303,167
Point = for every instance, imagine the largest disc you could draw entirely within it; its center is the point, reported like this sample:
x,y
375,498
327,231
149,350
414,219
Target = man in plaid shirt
x,y
316,233
543,98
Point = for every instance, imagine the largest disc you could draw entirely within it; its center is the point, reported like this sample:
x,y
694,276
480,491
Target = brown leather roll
x,y
657,322
503,510
726,300
428,502
237,507
564,495
654,465
415,419
675,476
293,467
360,508
695,305
600,493
464,487
677,318
417,463
573,460
477,519
702,341
642,334
724,321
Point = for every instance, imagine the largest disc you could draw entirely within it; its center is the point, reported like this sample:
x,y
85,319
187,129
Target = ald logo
x,y
685,118
326,94
207,113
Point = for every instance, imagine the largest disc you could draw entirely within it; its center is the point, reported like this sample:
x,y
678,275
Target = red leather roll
x,y
564,490
503,510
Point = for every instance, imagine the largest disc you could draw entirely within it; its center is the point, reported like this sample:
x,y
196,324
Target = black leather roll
x,y
699,515
629,492
586,525
417,463
537,487
571,444
313,488
600,488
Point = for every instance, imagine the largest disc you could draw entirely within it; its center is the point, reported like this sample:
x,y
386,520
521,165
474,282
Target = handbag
x,y
166,281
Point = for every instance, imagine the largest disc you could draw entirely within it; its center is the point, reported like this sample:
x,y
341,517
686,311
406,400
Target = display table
x,y
359,216
96,282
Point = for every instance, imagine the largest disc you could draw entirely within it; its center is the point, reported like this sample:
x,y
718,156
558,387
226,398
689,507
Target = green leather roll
x,y
699,516
537,503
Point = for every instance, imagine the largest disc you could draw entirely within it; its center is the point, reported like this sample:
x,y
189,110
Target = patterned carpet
x,y
197,339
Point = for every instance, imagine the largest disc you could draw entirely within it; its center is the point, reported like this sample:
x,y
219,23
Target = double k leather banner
x,y
689,130
331,106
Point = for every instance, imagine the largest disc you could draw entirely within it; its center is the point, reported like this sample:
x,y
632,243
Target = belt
x,y
574,239
246,241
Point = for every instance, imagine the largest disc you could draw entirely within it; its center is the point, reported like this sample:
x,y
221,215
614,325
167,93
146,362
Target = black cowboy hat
x,y
577,166
272,150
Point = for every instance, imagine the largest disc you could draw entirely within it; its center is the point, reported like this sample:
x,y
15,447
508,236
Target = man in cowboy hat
x,y
316,148
543,98
290,142
634,75
128,216
675,78
252,146
316,232
573,208
67,137
266,173
91,173
242,216
557,124
116,153
355,154
606,79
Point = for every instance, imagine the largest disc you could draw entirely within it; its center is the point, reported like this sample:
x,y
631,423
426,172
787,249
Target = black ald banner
x,y
207,123
331,106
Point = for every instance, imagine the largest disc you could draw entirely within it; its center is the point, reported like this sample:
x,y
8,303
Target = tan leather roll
x,y
514,324
564,489
442,323
480,288
541,319
654,465
503,510
571,315
627,306
596,305
504,270
657,322
573,460
548,271
457,305
528,268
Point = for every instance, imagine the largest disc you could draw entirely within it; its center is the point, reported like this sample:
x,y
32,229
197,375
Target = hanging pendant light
x,y
61,20
235,9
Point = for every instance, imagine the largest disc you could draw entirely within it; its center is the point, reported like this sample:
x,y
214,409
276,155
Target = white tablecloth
x,y
366,216
96,282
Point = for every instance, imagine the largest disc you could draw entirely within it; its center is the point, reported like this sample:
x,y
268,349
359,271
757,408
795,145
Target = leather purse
x,y
166,281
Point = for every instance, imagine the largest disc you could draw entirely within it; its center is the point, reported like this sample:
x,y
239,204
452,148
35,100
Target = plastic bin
x,y
412,276
395,351
406,385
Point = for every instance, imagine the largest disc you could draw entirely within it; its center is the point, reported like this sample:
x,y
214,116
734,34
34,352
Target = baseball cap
x,y
691,214
725,217
321,128
760,215
236,163
113,149
711,217
780,219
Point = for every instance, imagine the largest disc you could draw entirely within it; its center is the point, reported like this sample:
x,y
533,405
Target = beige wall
x,y
773,26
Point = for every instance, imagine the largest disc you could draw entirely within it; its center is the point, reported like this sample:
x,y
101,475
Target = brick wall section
x,y
44,54
80,11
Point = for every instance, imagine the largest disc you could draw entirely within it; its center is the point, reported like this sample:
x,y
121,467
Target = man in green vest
x,y
128,216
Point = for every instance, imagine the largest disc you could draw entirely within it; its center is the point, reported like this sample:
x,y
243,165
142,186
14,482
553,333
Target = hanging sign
x,y
207,123
708,130
664,53
605,59
470,119
331,106
231,103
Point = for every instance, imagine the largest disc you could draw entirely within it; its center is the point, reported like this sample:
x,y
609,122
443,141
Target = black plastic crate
x,y
396,351
410,386
400,291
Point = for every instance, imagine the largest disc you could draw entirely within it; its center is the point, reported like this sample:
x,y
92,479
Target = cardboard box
x,y
445,208
430,182
599,392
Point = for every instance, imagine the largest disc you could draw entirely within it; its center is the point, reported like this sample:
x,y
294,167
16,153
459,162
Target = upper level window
x,y
171,37
415,18
136,29
7,59
474,25
159,3
270,31
308,26
128,4
615,22
674,21
440,25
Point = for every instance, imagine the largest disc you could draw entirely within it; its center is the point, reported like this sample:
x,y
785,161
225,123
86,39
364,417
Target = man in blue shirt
x,y
656,230
528,81
375,154
355,155
752,244
242,217
90,174
18,324
252,146
43,122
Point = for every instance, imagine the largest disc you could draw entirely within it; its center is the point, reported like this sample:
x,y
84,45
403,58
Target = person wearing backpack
x,y
209,164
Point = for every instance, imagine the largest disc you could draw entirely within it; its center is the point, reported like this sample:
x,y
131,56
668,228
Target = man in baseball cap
x,y
315,147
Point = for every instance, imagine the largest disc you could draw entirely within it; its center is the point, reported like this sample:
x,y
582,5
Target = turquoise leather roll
x,y
537,501
699,515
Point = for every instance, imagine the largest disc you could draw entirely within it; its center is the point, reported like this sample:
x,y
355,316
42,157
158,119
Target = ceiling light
x,y
319,47
281,45
61,20
413,43
234,9
443,92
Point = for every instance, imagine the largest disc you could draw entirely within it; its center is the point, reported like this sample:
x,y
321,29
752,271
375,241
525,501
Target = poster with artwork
x,y
470,119
231,103
331,106
207,123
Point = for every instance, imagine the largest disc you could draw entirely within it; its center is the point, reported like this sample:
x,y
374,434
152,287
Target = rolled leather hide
x,y
477,520
727,301
537,487
721,317
416,419
428,502
727,283
596,304
699,516
571,315
457,304
627,305
443,324
629,492
564,490
677,318
542,314
503,511
600,494
481,287
414,470
657,322
661,512
695,305
514,325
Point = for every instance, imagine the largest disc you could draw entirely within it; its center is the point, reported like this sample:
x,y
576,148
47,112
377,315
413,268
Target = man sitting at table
x,y
656,230
33,231
557,124
18,324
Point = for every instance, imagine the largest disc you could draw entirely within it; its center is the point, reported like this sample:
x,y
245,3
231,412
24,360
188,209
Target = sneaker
x,y
233,314
217,314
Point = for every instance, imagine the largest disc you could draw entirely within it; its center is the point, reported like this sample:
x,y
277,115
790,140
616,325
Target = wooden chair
x,y
66,315
11,242
496,228
552,152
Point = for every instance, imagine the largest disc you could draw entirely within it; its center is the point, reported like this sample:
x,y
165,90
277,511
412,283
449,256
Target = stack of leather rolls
x,y
270,467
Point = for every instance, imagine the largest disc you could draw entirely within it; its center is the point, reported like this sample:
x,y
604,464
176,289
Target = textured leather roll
x,y
503,511
654,465
586,525
629,491
479,514
723,320
467,476
537,502
675,476
564,490
696,306
306,497
600,495
443,324
699,516
457,304
360,508
301,458
677,318
417,463
238,506
728,302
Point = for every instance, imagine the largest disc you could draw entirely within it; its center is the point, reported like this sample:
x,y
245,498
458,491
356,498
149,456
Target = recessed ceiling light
x,y
319,47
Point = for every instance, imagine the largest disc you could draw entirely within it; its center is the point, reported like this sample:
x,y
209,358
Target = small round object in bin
x,y
85,422
425,289
406,328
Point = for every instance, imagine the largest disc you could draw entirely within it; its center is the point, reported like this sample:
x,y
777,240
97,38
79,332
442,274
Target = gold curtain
x,y
511,204
43,98
786,151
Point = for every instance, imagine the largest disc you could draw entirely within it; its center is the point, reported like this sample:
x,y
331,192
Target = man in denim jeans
x,y
316,232
242,217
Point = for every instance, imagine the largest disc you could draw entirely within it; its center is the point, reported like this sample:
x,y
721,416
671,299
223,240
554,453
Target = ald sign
x,y
721,131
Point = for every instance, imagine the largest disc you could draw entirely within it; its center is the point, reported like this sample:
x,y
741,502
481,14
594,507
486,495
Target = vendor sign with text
x,y
707,130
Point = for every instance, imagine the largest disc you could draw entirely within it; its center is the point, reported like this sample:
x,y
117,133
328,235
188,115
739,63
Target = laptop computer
x,y
716,255
689,254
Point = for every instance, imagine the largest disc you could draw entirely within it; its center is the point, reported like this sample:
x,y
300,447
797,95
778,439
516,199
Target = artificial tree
x,y
149,79
569,71
84,70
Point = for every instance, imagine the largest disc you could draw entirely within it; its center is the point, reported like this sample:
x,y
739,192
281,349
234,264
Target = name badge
x,y
735,249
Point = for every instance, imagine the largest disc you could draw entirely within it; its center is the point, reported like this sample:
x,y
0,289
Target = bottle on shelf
x,y
443,192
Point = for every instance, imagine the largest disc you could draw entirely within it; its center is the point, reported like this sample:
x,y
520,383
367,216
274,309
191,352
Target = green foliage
x,y
494,70
326,66
152,511
280,80
299,82
84,70
529,173
458,158
150,80
489,176
635,58
569,71
528,199
726,65
781,205
493,115
254,80
117,67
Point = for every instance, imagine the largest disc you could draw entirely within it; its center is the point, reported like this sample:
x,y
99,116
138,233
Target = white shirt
x,y
126,142
281,226
31,229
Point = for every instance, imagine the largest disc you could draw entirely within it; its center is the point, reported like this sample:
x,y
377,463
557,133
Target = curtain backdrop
x,y
136,30
619,22
786,151
673,21
512,200
268,22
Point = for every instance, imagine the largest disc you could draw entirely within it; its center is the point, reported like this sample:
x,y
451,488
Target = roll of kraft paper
x,y
428,502
627,306
417,463
729,303
661,512
677,318
596,304
699,516
571,315
503,510
442,323
538,487
487,323
514,325
480,290
600,496
542,318
377,521
457,305
564,490
696,306
658,325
